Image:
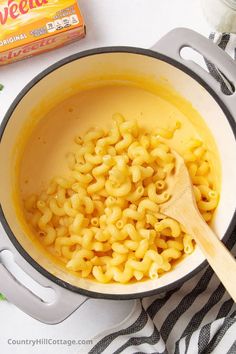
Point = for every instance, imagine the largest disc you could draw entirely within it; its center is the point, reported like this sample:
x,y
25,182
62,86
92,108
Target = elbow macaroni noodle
x,y
104,220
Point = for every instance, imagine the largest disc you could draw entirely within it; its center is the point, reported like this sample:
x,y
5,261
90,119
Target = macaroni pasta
x,y
104,220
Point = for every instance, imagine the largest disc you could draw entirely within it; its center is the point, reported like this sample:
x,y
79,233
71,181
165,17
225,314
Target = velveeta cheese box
x,y
30,27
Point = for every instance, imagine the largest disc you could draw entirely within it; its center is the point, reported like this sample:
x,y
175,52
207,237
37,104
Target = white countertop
x,y
138,23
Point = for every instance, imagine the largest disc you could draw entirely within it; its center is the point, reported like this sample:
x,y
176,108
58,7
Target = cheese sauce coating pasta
x,y
104,221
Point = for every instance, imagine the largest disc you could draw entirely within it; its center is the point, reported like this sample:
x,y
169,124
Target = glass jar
x,y
221,14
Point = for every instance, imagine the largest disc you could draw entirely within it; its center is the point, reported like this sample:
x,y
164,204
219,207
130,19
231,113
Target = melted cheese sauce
x,y
45,142
44,156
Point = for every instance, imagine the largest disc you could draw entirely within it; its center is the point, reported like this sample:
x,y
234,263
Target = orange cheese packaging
x,y
30,27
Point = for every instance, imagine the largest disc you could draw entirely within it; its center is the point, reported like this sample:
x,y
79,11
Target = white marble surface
x,y
109,22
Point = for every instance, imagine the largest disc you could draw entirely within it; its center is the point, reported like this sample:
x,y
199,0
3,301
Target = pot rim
x,y
41,76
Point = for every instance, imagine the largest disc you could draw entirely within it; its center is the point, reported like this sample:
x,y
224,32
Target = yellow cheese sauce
x,y
44,155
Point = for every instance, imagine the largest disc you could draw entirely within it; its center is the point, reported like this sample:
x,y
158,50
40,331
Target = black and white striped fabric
x,y
226,42
198,317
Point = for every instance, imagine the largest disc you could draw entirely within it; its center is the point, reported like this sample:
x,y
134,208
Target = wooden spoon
x,y
183,208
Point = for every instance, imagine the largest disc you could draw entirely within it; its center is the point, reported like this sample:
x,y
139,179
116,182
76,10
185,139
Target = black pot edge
x,y
42,75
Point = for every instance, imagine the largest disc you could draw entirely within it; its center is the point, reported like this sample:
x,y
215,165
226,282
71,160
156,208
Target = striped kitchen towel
x,y
198,317
226,42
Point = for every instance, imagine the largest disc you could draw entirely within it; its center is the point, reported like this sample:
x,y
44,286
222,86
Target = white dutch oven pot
x,y
193,83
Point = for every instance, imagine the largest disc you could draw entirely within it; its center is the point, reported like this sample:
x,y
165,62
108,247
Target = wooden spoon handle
x,y
218,256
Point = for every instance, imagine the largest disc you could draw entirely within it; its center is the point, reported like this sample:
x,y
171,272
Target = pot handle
x,y
171,45
64,304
